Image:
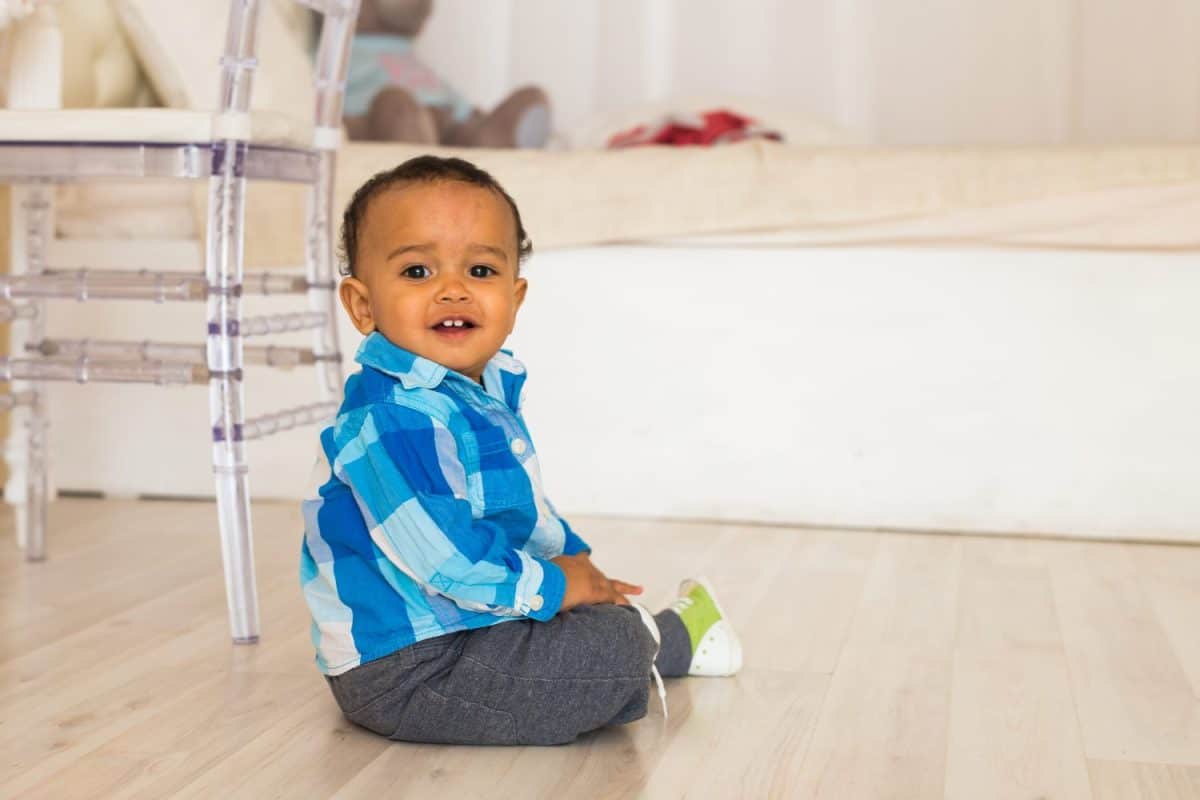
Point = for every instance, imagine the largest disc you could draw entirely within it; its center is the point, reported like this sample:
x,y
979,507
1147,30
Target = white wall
x,y
893,71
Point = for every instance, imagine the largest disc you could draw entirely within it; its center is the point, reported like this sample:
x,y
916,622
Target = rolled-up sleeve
x,y
410,487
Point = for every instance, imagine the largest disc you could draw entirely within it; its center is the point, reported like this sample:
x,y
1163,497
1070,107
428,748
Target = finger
x,y
627,588
622,600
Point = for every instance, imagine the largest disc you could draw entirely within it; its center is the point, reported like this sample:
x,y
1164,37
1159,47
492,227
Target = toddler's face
x,y
436,273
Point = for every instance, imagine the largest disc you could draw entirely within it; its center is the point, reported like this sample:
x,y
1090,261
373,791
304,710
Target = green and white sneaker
x,y
716,650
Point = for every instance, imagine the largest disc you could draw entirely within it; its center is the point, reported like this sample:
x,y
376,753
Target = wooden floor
x,y
877,666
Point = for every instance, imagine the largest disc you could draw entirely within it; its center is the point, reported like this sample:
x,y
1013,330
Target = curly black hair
x,y
422,169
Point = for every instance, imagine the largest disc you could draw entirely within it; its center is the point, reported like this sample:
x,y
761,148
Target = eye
x,y
416,271
482,271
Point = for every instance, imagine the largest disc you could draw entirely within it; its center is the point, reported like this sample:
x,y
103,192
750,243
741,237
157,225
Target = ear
x,y
519,289
357,302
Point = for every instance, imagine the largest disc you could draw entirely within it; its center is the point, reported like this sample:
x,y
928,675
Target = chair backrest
x,y
333,58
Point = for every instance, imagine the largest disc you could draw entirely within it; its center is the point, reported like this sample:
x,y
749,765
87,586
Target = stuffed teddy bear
x,y
391,96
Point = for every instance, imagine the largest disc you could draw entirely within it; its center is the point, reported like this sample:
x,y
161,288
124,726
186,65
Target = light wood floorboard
x,y
1013,731
1121,780
877,666
1129,683
883,726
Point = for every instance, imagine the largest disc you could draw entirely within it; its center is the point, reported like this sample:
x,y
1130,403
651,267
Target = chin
x,y
457,366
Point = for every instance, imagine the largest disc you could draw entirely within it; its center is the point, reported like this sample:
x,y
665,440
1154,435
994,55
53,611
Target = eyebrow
x,y
487,248
429,247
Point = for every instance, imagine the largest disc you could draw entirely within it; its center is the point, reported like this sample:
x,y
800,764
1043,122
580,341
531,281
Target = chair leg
x,y
36,493
237,541
27,489
223,270
322,282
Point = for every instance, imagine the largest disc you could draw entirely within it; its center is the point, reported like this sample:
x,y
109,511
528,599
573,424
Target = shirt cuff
x,y
573,545
547,602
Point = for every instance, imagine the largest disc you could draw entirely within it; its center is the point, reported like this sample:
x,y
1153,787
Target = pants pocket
x,y
429,716
373,694
369,683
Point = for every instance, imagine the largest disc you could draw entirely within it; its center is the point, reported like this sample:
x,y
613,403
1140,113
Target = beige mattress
x,y
1121,197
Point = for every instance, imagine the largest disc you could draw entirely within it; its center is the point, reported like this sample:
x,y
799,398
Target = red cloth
x,y
706,128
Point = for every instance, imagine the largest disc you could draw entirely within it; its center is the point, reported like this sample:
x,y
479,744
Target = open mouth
x,y
454,326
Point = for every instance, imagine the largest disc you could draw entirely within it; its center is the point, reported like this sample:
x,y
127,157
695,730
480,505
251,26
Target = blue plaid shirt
x,y
434,519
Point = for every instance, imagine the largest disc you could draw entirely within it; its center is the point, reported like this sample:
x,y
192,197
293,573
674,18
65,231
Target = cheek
x,y
397,299
503,308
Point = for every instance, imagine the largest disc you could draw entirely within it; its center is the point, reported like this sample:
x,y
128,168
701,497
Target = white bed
x,y
943,388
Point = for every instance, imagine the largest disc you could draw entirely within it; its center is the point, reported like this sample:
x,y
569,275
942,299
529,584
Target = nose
x,y
453,291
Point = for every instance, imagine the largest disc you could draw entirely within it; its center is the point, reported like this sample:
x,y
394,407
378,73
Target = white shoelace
x,y
662,691
682,604
679,605
652,625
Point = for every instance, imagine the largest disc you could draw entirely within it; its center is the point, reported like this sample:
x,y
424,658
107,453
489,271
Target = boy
x,y
450,602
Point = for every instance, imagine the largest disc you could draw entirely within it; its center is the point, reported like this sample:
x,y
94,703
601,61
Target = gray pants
x,y
518,682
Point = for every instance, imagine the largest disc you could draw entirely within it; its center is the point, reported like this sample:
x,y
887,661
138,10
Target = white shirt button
x,y
536,602
518,446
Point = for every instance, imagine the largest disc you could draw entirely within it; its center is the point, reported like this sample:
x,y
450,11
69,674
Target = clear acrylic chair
x,y
41,146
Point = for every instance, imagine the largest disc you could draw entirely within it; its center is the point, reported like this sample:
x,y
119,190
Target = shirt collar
x,y
503,375
413,371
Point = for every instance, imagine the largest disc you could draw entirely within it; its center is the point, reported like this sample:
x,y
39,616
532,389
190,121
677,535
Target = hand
x,y
587,585
621,586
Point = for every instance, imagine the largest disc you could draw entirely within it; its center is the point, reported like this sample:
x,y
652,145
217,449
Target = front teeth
x,y
452,323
